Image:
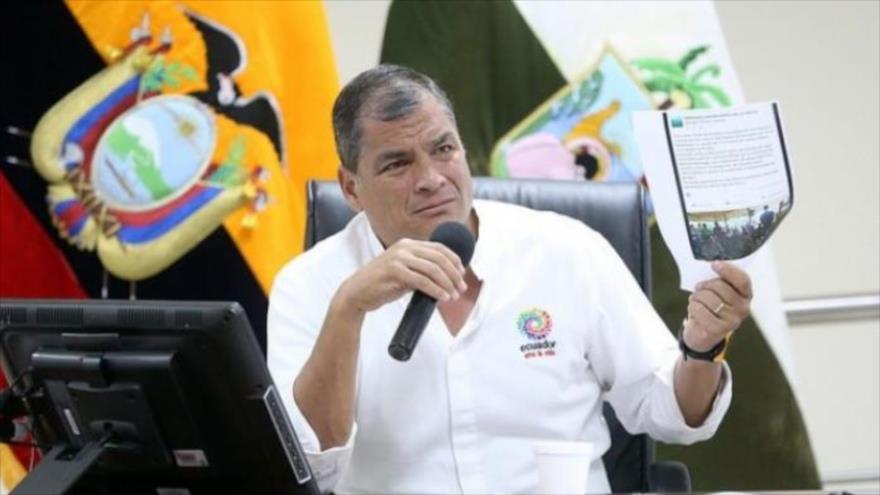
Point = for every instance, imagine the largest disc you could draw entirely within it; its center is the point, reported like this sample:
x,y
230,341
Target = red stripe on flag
x,y
90,139
72,215
143,218
30,265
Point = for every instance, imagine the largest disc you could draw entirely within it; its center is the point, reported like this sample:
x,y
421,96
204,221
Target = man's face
x,y
412,174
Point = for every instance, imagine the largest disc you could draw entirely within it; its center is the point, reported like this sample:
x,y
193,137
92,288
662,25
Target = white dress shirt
x,y
559,326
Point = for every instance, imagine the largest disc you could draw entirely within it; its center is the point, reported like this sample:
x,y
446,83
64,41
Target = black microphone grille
x,y
456,237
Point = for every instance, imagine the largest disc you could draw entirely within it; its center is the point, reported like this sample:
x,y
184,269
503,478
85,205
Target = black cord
x,y
13,406
26,372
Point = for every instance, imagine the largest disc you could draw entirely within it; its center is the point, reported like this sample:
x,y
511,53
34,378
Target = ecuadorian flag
x,y
265,69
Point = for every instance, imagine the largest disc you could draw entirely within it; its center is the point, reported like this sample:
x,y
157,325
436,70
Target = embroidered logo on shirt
x,y
536,324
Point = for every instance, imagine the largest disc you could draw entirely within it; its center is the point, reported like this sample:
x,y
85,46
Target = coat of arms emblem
x,y
140,172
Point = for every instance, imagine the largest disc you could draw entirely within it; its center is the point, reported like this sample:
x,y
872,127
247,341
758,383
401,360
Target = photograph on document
x,y
733,177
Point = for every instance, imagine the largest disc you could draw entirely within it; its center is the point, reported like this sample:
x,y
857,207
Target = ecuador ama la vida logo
x,y
535,325
150,155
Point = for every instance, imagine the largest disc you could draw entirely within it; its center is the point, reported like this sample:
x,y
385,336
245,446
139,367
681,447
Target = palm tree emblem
x,y
682,88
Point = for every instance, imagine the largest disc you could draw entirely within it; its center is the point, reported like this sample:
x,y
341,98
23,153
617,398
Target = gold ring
x,y
719,309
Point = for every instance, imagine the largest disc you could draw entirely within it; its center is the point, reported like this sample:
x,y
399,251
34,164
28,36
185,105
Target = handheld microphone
x,y
456,237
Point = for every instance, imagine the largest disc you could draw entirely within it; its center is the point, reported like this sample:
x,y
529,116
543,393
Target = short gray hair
x,y
386,92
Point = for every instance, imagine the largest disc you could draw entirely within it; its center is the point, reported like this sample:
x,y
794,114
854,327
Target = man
x,y
463,414
767,217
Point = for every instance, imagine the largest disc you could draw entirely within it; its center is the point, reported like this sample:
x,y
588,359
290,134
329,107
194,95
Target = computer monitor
x,y
152,397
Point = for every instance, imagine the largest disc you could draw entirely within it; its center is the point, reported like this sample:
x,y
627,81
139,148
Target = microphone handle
x,y
412,325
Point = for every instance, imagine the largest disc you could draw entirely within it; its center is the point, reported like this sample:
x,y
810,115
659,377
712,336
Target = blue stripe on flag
x,y
91,118
140,234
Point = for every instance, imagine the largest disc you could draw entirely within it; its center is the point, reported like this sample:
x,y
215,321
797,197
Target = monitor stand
x,y
60,468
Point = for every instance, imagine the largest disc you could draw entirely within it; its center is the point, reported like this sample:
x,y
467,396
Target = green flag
x,y
508,65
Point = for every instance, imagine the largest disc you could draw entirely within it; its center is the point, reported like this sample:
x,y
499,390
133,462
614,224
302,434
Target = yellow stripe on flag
x,y
288,55
11,470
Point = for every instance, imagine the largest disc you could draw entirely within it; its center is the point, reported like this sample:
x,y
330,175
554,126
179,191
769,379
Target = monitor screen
x,y
148,396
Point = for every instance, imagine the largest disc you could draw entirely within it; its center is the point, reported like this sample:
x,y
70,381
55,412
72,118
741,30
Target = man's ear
x,y
348,183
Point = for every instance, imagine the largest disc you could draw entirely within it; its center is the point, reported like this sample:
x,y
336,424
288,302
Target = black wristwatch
x,y
713,355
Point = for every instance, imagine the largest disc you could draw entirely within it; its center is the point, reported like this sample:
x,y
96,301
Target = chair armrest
x,y
669,476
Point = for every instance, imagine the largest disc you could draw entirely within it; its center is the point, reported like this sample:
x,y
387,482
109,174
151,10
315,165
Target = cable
x,y
12,406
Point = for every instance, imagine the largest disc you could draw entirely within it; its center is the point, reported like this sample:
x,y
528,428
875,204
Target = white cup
x,y
563,467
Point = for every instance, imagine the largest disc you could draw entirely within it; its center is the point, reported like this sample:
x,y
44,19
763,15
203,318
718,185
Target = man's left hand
x,y
717,306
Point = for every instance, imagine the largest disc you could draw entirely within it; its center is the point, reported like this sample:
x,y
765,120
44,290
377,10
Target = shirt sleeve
x,y
634,354
297,306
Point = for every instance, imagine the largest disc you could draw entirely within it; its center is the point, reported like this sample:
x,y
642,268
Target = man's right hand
x,y
407,265
325,388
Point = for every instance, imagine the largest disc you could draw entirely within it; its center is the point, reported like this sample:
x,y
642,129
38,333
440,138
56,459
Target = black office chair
x,y
616,211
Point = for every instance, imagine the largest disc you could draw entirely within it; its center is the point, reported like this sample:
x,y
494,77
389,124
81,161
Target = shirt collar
x,y
485,235
374,245
482,256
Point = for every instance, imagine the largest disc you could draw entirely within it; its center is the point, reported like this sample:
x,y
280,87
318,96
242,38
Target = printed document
x,y
719,179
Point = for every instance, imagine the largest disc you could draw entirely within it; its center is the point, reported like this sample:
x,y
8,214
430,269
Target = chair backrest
x,y
616,210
